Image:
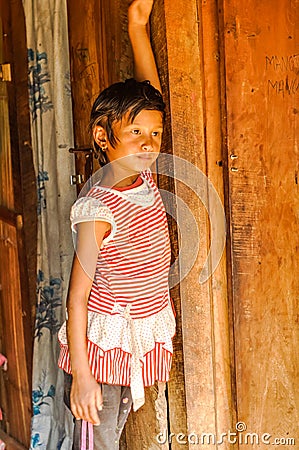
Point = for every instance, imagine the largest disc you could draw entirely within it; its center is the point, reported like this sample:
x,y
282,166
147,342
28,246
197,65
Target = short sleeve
x,y
89,209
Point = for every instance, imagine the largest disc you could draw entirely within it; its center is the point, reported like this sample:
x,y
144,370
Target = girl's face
x,y
138,143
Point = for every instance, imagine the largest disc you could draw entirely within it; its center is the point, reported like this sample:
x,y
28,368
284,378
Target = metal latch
x,y
5,72
86,150
77,179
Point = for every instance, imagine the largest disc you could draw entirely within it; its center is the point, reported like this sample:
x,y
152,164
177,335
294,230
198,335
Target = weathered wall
x,y
262,89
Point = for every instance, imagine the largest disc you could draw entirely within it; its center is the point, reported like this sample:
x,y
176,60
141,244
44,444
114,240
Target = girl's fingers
x,y
139,11
77,413
86,405
93,416
74,410
89,413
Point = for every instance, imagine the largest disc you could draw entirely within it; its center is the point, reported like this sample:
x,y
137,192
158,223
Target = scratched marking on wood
x,y
262,68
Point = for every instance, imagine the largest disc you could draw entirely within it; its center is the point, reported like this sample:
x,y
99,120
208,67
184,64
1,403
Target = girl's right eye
x,y
136,131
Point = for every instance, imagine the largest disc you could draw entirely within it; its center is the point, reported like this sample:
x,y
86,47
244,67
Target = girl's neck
x,y
110,179
127,181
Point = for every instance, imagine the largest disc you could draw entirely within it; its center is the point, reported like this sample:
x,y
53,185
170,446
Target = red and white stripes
x,y
132,271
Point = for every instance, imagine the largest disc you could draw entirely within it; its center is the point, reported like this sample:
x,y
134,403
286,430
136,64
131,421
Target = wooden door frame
x,y
23,217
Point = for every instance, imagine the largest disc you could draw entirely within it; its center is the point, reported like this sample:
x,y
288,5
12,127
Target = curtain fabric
x,y
52,135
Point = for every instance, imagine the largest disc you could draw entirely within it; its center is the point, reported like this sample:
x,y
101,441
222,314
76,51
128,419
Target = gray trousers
x,y
117,402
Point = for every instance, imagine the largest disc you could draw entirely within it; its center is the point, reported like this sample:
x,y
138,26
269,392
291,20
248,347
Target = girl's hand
x,y
86,399
139,12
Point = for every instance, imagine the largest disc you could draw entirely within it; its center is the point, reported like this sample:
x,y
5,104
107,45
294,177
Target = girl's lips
x,y
146,157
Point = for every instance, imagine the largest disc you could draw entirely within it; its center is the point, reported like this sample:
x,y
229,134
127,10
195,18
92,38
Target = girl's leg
x,y
117,402
124,409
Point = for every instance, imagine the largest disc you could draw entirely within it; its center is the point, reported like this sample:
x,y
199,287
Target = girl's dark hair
x,y
117,100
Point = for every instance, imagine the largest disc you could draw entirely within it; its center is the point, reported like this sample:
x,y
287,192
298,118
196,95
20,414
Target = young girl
x,y
118,335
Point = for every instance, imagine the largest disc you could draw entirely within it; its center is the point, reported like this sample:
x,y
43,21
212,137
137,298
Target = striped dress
x,y
130,317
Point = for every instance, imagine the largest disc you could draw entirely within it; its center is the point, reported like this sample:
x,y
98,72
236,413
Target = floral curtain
x,y
52,135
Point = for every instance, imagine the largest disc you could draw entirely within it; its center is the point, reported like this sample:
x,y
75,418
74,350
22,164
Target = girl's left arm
x,y
86,395
144,60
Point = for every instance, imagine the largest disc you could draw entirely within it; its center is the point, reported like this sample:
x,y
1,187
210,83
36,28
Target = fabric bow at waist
x,y
137,386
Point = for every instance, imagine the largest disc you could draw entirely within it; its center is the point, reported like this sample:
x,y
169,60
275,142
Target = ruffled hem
x,y
126,351
114,366
109,332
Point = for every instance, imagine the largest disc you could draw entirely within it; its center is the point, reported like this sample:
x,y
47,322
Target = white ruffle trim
x,y
142,195
113,331
88,209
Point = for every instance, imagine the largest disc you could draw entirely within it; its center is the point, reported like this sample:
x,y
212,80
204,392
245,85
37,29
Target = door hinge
x,y
5,72
77,179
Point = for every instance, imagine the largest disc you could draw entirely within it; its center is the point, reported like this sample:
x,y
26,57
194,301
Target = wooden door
x,y
17,198
261,41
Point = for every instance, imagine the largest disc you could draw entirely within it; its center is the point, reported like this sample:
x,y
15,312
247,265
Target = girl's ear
x,y
100,136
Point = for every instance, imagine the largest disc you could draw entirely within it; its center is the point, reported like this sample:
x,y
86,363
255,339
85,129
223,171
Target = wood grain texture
x,y
16,325
262,67
147,423
10,443
88,72
6,187
24,179
222,319
17,412
195,117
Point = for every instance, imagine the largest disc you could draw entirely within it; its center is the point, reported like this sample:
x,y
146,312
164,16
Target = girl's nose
x,y
147,146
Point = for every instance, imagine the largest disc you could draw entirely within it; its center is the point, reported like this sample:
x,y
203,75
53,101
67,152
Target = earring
x,y
103,144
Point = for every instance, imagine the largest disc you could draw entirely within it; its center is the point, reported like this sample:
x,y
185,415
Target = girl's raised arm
x,y
144,61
